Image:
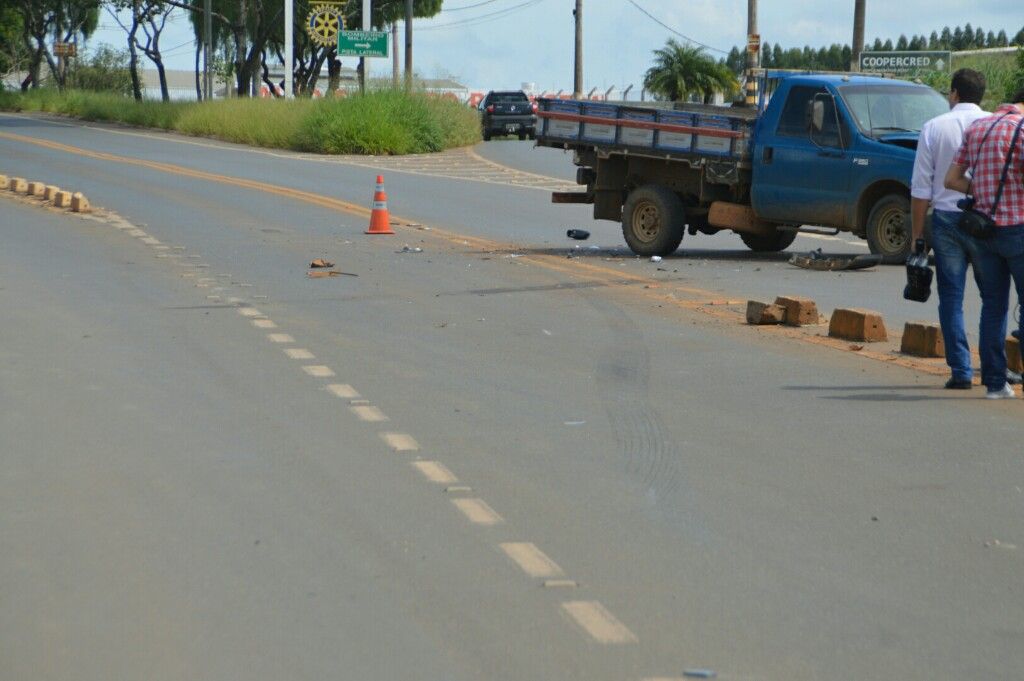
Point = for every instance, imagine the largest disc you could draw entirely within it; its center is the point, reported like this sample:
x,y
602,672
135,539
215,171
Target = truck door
x,y
801,176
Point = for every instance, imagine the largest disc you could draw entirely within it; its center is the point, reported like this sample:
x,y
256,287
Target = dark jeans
x,y
1000,259
954,250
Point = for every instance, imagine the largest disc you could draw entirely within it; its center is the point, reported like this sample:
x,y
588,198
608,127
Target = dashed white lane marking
x,y
400,442
318,371
136,233
299,353
249,312
435,471
532,560
264,324
560,584
150,241
344,391
478,511
280,338
600,624
366,412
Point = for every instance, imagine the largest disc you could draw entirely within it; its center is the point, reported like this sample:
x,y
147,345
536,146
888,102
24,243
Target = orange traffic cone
x,y
380,220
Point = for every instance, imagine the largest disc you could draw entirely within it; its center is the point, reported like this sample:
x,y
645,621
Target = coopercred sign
x,y
904,62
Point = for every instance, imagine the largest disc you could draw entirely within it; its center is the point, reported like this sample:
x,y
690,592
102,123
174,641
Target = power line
x,y
666,26
456,9
483,18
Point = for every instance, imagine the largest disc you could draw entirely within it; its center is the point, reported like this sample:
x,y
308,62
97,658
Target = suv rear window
x,y
507,98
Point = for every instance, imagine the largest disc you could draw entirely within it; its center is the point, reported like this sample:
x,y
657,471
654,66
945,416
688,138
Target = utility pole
x,y
395,63
207,49
408,45
577,81
858,34
289,47
753,53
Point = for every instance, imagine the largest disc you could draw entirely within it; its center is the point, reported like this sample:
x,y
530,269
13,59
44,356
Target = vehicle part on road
x,y
653,220
380,219
329,273
922,339
857,324
760,314
578,234
888,228
320,262
799,311
816,260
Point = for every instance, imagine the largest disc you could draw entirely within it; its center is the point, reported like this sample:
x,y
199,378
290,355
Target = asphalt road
x,y
484,460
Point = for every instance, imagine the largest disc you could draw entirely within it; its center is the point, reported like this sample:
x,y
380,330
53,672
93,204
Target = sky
x,y
502,44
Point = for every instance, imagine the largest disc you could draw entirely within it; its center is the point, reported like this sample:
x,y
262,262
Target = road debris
x,y
320,262
329,273
410,249
700,673
655,258
578,234
816,260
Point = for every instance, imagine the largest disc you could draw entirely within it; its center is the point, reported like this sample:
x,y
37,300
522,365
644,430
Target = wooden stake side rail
x,y
643,125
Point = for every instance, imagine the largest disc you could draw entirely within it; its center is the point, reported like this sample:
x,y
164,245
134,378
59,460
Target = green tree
x,y
105,70
777,57
979,38
1016,81
766,56
946,41
958,38
1001,39
933,41
736,60
902,44
887,45
682,70
877,46
1019,38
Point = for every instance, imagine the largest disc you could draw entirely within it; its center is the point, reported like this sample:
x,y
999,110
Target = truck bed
x,y
692,133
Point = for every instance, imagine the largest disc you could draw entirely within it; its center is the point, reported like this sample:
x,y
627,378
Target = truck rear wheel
x,y
772,243
653,220
888,228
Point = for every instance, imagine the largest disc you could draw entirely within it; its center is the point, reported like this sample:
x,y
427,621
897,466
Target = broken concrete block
x,y
62,199
50,190
19,185
4,182
922,339
857,325
79,203
799,311
36,189
1013,358
764,313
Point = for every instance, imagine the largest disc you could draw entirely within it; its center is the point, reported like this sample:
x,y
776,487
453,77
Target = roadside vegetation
x,y
380,122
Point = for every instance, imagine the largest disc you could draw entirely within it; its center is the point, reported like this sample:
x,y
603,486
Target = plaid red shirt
x,y
987,165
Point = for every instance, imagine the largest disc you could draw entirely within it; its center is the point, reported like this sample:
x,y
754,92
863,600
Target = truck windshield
x,y
884,109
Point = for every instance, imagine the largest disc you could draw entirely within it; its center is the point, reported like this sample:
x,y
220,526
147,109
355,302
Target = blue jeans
x,y
954,249
1001,258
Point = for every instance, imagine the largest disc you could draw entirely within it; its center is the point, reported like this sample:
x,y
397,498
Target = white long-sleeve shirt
x,y
936,146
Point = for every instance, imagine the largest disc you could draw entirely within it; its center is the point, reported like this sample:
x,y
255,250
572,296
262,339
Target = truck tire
x,y
779,241
487,135
888,228
653,220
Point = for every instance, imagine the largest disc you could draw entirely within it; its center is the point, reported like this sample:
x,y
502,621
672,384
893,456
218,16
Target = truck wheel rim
x,y
893,232
646,222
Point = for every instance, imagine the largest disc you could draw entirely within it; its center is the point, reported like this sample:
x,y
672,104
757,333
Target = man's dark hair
x,y
1018,97
969,85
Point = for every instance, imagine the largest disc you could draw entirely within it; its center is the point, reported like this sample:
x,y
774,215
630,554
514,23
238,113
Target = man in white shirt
x,y
937,144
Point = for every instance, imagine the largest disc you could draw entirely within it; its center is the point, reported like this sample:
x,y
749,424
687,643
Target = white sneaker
x,y
1004,393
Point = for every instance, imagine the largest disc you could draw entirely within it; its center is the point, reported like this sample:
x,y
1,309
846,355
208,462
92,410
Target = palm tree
x,y
682,70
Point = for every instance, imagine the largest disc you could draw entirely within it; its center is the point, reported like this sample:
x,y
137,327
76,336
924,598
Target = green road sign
x,y
362,43
904,62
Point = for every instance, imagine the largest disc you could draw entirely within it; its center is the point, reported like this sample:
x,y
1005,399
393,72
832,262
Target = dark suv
x,y
508,113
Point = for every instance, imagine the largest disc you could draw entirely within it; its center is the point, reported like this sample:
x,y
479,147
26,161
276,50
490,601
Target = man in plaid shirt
x,y
1002,256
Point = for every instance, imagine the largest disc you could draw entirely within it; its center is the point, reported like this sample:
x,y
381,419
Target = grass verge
x,y
380,122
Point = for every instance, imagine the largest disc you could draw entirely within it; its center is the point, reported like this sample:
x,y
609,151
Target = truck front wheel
x,y
653,220
779,241
888,228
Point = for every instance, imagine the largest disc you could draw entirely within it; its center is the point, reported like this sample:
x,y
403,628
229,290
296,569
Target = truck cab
x,y
838,151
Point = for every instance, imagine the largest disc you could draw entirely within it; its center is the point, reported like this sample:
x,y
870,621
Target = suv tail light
x,y
490,109
534,107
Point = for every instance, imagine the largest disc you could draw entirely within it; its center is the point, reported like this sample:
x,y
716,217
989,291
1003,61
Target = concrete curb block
x,y
80,204
1013,358
759,313
37,189
922,339
4,182
62,200
857,324
799,311
49,191
19,185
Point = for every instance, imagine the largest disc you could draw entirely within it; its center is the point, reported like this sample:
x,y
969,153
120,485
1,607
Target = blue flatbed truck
x,y
831,151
